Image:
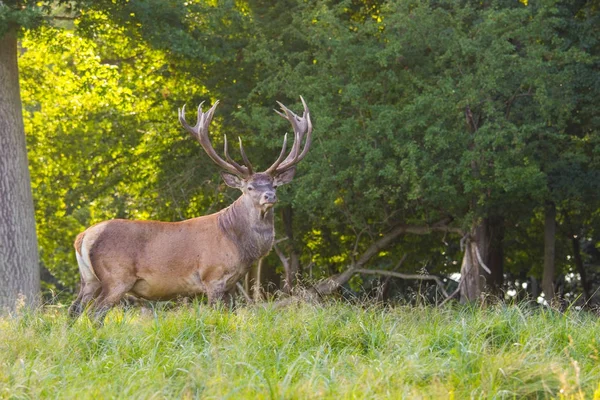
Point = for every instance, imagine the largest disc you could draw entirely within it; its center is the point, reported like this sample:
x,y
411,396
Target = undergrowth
x,y
331,351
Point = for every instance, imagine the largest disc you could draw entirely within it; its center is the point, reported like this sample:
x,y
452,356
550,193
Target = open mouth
x,y
265,208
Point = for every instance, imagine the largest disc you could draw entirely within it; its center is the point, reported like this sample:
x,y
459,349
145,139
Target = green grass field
x,y
331,351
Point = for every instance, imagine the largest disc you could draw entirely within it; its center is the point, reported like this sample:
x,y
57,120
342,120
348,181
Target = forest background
x,y
454,140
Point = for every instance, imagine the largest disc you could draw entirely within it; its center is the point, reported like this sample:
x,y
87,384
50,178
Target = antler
x,y
200,132
302,126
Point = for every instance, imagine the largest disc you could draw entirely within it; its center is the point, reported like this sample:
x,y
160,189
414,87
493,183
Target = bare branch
x,y
241,289
283,239
510,101
284,260
400,275
452,295
62,17
399,263
357,242
439,226
328,285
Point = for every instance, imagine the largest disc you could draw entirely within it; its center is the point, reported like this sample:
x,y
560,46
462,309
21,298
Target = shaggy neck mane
x,y
249,228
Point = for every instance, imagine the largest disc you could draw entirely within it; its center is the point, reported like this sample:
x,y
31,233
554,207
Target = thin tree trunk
x,y
291,267
535,288
549,252
247,286
258,295
585,284
19,262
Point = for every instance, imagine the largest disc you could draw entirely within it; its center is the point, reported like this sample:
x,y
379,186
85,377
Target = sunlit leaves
x,y
99,115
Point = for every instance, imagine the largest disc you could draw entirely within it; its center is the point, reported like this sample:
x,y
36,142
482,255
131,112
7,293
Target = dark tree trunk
x,y
19,263
292,267
471,279
585,284
535,289
549,252
490,236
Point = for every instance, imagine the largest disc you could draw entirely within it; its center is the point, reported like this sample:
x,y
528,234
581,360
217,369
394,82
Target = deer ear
x,y
284,177
231,180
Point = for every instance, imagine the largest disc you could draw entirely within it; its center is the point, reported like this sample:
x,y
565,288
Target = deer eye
x,y
250,188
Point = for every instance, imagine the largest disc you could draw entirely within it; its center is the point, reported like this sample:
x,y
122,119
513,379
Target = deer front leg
x,y
224,298
218,294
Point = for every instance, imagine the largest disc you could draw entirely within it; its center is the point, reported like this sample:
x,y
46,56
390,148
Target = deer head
x,y
259,187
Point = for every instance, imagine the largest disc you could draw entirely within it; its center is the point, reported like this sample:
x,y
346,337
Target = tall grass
x,y
308,351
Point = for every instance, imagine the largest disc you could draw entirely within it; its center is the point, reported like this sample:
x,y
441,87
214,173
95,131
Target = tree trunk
x,y
292,267
19,263
549,252
585,284
470,277
489,237
535,289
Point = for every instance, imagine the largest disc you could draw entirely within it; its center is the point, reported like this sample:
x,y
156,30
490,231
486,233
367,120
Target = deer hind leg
x,y
110,295
75,309
89,290
87,293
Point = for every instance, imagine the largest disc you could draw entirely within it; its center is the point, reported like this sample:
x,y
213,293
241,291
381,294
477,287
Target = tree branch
x,y
383,272
284,260
329,285
64,17
452,295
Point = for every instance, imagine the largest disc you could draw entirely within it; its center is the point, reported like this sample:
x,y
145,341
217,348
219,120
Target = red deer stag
x,y
209,254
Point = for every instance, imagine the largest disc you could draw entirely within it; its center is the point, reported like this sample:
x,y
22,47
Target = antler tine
x,y
273,167
308,142
227,157
182,121
301,127
200,132
298,132
245,157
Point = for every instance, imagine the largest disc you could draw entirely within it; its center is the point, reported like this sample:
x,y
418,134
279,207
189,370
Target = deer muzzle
x,y
268,199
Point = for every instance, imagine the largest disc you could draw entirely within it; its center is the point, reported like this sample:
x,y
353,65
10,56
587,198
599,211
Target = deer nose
x,y
269,197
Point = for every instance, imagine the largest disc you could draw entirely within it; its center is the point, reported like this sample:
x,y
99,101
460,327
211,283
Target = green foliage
x,y
422,111
332,351
18,13
391,85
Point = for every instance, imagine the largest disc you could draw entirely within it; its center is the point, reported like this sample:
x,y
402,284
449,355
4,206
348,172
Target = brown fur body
x,y
161,260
